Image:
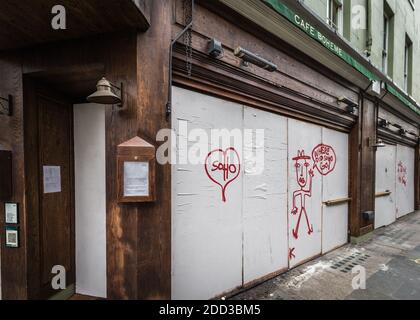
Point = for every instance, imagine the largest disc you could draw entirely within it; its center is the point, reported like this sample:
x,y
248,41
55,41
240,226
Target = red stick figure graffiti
x,y
402,173
303,178
224,167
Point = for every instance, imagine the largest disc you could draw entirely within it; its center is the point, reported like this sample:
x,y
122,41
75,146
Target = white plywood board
x,y
405,180
305,216
90,199
334,186
265,197
385,207
206,231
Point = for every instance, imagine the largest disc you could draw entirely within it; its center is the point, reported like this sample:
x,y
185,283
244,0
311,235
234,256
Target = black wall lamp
x,y
104,94
6,105
351,106
249,57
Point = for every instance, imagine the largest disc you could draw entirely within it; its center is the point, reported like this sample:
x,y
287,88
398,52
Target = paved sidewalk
x,y
391,258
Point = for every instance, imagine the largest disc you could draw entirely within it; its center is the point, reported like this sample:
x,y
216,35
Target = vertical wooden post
x,y
139,235
154,272
362,168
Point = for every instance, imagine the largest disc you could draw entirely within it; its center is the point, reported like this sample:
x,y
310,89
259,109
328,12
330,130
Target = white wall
x,y
385,207
405,191
90,198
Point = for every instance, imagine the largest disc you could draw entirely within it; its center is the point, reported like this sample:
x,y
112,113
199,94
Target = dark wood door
x,y
50,188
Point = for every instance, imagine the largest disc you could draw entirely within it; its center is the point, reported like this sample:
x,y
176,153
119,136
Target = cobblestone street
x,y
391,258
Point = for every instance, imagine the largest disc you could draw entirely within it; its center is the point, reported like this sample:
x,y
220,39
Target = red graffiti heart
x,y
223,167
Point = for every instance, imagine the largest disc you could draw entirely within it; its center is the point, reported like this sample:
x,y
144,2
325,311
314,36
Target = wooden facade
x,y
139,235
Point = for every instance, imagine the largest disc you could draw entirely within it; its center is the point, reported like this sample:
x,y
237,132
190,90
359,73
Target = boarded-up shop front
x,y
233,223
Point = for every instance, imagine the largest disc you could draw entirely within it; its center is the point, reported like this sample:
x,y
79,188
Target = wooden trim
x,y
393,137
366,230
383,194
336,202
249,285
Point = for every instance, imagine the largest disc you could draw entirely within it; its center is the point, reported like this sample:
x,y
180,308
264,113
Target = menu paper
x,y
136,179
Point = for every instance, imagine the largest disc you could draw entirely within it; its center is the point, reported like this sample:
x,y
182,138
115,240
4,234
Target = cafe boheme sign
x,y
314,33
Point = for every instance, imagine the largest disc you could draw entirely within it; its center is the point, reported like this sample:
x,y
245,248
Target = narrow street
x,y
391,258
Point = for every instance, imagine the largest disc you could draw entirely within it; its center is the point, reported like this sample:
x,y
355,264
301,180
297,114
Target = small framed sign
x,y
136,171
12,237
11,211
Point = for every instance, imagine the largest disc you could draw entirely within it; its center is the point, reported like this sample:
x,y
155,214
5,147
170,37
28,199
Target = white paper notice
x,y
136,179
11,213
52,179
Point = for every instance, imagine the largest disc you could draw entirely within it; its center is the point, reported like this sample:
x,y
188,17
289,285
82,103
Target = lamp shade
x,y
104,94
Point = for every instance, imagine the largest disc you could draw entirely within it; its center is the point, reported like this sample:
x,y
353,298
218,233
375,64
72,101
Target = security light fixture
x,y
351,105
249,57
6,105
215,49
383,123
105,95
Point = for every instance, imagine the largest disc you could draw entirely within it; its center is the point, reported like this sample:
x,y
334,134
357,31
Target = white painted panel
x,y
265,198
334,186
90,199
206,232
405,180
385,207
305,218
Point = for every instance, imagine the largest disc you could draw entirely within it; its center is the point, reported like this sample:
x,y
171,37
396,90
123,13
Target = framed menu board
x,y
136,171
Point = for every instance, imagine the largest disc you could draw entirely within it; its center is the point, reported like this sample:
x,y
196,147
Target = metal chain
x,y
187,6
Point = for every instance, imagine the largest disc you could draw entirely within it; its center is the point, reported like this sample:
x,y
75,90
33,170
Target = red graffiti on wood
x,y
223,167
291,253
402,173
304,180
324,159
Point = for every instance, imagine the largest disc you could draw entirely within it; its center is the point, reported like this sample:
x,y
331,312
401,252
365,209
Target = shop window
x,y
408,65
387,40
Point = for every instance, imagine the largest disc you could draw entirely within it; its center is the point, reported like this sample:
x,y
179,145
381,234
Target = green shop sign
x,y
404,100
315,34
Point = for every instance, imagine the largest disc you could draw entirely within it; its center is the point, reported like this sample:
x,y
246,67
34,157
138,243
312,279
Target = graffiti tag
x,y
324,159
223,167
402,173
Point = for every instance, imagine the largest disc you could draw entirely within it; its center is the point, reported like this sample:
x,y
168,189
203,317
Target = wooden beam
x,y
24,24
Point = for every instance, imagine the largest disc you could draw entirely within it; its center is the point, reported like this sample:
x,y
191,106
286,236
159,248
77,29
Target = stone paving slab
x,y
391,258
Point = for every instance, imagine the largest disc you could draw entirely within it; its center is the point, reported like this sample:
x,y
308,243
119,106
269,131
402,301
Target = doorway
x,y
49,171
66,191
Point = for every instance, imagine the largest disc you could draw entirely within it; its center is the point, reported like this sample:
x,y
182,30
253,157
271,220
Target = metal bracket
x,y
6,106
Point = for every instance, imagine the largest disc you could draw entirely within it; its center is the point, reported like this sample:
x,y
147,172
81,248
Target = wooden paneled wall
x,y
13,261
